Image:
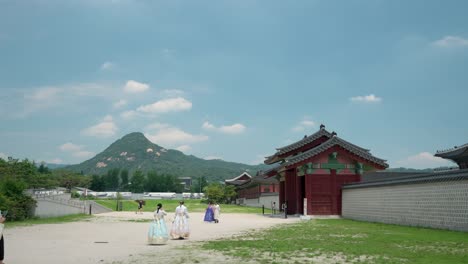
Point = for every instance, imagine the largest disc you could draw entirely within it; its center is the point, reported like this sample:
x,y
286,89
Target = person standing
x,y
180,226
2,220
157,234
216,211
209,214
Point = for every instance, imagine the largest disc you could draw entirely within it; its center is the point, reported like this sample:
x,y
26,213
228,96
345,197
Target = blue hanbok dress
x,y
157,233
209,214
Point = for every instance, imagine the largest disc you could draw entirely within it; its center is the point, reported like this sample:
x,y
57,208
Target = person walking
x,y
216,211
140,206
209,214
180,226
157,234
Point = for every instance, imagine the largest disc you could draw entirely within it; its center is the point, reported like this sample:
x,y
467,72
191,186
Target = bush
x,y
12,198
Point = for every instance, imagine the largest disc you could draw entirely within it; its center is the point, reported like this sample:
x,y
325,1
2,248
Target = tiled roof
x,y
388,175
330,143
419,178
236,182
238,177
452,152
306,140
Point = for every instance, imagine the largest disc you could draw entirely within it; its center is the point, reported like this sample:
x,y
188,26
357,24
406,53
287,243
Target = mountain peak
x,y
134,135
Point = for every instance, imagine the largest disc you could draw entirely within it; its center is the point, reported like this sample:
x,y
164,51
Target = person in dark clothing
x,y
2,220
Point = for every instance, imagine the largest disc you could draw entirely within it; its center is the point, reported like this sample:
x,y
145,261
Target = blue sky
x,y
233,79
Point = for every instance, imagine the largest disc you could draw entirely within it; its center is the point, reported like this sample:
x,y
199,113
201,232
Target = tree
x,y
124,179
138,182
214,192
200,185
229,193
112,179
12,198
97,183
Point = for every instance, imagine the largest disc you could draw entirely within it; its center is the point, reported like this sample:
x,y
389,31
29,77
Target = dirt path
x,y
116,237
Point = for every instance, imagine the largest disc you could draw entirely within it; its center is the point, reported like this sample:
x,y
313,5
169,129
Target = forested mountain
x,y
135,152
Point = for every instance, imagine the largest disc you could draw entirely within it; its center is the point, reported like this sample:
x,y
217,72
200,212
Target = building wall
x,y
263,200
442,204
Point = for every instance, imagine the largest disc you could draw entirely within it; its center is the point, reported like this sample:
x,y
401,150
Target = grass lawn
x,y
193,205
49,220
346,241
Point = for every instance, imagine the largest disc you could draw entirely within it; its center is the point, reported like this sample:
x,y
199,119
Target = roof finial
x,y
333,133
322,126
305,136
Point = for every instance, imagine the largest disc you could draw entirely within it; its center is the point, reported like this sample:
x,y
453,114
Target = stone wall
x,y
436,201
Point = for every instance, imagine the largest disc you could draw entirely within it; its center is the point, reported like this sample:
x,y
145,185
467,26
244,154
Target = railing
x,y
57,199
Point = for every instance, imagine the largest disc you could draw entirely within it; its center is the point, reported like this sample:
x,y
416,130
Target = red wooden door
x,y
321,198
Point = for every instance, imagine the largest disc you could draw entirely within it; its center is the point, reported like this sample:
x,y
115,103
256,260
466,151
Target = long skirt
x,y
209,216
157,233
180,227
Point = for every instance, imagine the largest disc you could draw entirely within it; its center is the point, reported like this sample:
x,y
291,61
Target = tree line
x,y
120,180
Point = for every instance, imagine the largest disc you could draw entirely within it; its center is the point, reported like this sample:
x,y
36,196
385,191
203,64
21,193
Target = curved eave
x,y
453,153
336,141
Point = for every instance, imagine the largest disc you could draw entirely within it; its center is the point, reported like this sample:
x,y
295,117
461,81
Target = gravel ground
x,y
120,237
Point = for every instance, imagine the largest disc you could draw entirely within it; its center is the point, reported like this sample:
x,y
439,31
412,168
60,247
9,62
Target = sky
x,y
233,80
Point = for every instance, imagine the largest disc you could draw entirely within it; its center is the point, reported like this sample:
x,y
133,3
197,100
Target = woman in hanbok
x,y
180,226
209,214
216,211
157,234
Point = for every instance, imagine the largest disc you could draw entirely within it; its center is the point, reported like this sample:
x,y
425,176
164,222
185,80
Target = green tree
x,y
200,185
43,169
12,198
97,183
124,179
229,193
112,179
214,192
138,182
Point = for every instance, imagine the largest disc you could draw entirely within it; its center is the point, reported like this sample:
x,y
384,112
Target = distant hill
x,y
402,169
134,151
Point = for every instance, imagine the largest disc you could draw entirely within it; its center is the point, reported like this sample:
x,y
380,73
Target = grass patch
x,y
193,205
49,220
345,241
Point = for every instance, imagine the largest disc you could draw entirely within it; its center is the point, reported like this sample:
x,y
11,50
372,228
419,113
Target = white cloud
x,y
303,125
70,147
231,129
44,94
83,154
106,128
168,93
55,161
212,158
451,41
3,156
423,160
184,148
107,66
120,103
366,99
128,114
75,150
169,136
167,105
135,87
69,97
